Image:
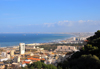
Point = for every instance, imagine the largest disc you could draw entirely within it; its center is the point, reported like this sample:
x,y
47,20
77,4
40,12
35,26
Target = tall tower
x,y
22,48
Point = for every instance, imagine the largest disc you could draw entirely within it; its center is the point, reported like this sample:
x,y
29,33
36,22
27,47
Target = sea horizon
x,y
7,40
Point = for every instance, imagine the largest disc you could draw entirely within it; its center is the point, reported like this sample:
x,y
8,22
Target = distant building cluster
x,y
73,40
26,54
79,38
66,48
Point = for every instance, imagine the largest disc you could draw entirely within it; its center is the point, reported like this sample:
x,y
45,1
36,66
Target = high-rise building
x,y
22,48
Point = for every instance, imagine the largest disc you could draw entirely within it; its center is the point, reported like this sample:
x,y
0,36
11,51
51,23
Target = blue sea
x,y
14,39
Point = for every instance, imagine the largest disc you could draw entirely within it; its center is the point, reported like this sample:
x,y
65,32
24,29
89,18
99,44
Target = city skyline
x,y
49,16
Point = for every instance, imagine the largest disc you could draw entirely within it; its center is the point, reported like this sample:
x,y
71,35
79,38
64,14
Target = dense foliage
x,y
39,65
92,46
88,57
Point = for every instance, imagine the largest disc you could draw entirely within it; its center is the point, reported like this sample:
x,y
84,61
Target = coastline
x,y
39,43
53,41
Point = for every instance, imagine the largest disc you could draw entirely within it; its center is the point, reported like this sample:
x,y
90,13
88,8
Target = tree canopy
x,y
39,65
88,57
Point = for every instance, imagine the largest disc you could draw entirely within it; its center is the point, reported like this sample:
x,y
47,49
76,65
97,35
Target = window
x,y
23,47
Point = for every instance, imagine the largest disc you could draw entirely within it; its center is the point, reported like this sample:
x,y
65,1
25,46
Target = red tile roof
x,y
26,62
33,59
42,59
86,40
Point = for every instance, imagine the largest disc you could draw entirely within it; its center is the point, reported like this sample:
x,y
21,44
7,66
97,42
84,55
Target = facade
x,y
12,53
66,48
15,65
8,56
17,59
3,54
24,63
22,48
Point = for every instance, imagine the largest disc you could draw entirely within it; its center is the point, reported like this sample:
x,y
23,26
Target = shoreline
x,y
50,42
37,44
54,41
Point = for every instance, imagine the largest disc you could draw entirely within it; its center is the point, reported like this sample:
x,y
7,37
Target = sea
x,y
7,40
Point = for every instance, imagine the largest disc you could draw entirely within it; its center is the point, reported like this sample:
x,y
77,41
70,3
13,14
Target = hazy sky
x,y
49,15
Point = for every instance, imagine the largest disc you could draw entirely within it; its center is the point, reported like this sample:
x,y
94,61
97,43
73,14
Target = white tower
x,y
22,48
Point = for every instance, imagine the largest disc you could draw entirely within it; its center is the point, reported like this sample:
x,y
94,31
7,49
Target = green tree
x,y
92,46
31,67
44,66
24,67
85,62
37,64
50,66
59,67
87,57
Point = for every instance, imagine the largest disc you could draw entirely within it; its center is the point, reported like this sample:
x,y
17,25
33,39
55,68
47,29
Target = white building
x,y
4,59
22,48
24,63
17,59
8,56
3,54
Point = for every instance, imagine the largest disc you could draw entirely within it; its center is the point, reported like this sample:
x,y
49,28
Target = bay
x,y
15,39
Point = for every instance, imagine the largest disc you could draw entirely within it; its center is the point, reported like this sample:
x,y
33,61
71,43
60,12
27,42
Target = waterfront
x,y
15,39
8,40
50,52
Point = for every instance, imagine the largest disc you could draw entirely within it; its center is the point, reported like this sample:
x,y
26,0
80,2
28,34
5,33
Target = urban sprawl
x,y
20,56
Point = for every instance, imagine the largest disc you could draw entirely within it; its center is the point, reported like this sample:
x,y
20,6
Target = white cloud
x,y
64,24
67,23
59,23
81,21
89,20
70,24
48,24
60,26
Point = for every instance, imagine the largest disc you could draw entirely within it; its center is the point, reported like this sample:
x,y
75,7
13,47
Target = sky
x,y
49,16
